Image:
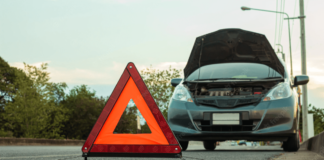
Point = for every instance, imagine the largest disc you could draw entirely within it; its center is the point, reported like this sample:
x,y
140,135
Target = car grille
x,y
247,125
228,102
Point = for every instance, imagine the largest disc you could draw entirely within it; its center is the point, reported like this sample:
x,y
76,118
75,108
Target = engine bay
x,y
229,94
241,91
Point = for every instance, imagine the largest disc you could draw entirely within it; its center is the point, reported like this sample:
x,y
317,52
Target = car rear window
x,y
234,70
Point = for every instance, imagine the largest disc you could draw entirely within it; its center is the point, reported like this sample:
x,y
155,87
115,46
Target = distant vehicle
x,y
242,143
254,143
233,143
235,87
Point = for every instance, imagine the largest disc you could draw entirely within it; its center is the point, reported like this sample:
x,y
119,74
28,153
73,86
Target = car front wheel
x,y
292,144
210,145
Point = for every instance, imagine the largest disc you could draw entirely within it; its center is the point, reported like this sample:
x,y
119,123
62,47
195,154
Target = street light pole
x,y
303,60
291,67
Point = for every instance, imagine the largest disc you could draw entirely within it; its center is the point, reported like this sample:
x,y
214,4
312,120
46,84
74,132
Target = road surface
x,y
195,152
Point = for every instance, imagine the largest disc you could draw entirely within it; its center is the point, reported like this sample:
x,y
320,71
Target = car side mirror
x,y
175,81
301,80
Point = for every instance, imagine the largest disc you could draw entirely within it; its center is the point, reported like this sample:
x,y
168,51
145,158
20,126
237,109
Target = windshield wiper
x,y
215,79
272,78
206,79
243,79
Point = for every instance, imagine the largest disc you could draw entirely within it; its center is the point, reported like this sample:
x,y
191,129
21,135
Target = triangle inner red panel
x,y
102,139
107,135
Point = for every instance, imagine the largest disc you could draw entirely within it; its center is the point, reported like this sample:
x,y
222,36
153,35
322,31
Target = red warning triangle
x,y
103,142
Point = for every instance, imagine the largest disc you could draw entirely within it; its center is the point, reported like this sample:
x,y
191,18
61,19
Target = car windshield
x,y
234,71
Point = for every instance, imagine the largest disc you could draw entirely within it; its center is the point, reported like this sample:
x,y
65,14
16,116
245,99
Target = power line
x,y
306,6
281,19
276,24
293,22
292,30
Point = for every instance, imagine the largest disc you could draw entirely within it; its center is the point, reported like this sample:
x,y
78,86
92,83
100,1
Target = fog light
x,y
267,99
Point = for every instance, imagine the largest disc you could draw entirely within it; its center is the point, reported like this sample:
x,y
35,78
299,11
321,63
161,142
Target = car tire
x,y
292,144
210,145
184,145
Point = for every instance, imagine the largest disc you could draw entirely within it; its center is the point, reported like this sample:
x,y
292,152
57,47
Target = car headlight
x,y
182,94
282,90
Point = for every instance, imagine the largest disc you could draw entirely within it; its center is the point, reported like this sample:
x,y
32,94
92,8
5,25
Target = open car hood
x,y
232,45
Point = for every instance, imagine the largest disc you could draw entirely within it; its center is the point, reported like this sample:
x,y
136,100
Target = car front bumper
x,y
272,120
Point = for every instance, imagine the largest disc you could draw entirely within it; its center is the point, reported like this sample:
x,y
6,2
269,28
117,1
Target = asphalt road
x,y
195,152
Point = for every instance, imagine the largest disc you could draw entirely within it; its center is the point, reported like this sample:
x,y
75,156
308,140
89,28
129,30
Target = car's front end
x,y
260,121
234,88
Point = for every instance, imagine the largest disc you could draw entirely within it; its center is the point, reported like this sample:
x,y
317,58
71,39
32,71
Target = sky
x,y
91,41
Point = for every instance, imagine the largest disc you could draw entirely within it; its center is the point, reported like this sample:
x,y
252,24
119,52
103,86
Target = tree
x,y
31,112
57,116
128,121
145,128
58,91
83,109
7,77
158,83
318,119
318,115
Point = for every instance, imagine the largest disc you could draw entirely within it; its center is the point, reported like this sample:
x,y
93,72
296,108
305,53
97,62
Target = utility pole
x,y
139,130
303,68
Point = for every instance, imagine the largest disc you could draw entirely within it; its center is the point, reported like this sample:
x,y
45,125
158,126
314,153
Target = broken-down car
x,y
235,87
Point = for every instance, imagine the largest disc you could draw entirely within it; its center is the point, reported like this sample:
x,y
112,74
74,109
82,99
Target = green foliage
x,y
32,113
83,109
158,83
318,119
318,114
58,91
33,107
7,78
145,128
4,133
6,90
128,121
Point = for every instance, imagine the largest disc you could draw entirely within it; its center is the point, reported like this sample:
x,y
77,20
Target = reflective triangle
x,y
103,142
106,135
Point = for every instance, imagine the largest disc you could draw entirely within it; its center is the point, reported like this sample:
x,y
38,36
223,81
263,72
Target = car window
x,y
234,70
